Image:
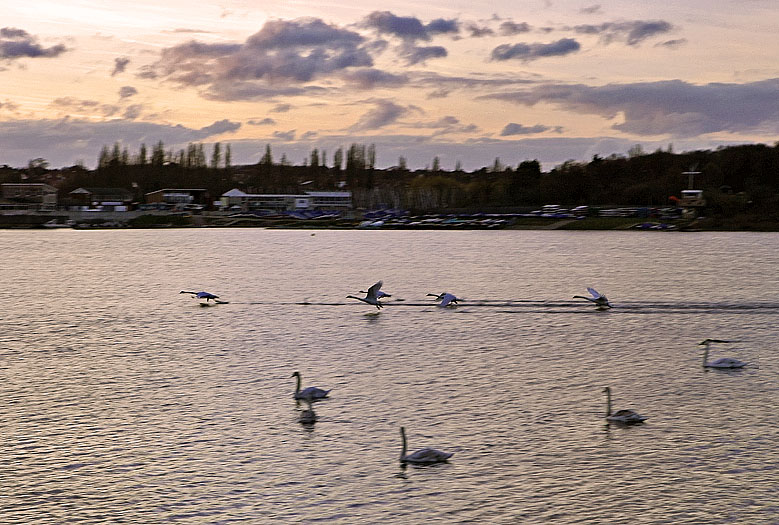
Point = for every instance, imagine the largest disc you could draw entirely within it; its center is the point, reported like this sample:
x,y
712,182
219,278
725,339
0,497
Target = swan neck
x,y
297,385
706,354
608,402
403,441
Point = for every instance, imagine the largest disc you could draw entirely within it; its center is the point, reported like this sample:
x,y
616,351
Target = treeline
x,y
732,177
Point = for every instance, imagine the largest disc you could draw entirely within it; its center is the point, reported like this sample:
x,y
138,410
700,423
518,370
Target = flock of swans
x,y
309,395
425,456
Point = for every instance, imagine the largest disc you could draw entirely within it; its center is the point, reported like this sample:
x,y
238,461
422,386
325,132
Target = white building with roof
x,y
275,202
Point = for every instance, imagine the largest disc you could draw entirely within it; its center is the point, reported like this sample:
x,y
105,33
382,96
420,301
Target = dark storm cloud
x,y
18,43
519,129
672,107
527,52
409,27
68,140
384,113
632,31
282,52
120,64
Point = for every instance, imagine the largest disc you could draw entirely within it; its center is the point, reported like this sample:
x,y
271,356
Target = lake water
x,y
124,401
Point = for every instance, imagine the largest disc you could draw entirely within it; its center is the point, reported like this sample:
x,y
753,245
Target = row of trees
x,y
750,171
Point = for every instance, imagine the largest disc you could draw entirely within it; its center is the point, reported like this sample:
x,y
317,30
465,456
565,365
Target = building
x,y
36,196
104,199
335,201
177,196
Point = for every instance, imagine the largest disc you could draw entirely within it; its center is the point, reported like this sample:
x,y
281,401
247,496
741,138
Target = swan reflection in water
x,y
308,416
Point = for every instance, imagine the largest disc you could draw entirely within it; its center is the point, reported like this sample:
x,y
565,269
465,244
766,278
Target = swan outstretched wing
x,y
373,291
594,293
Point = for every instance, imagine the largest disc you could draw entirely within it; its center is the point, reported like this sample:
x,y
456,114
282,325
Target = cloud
x,y
18,43
672,44
264,122
527,52
519,129
127,91
420,54
281,108
673,107
509,28
633,31
591,10
68,140
84,106
383,114
286,136
477,31
120,64
369,78
283,53
132,112
408,27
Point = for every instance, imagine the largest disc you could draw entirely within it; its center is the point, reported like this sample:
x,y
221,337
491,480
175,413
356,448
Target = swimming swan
x,y
422,456
722,362
596,298
621,416
372,296
309,393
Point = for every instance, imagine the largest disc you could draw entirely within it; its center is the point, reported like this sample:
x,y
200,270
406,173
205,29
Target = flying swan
x,y
445,298
422,456
621,416
596,298
204,295
372,296
309,393
722,362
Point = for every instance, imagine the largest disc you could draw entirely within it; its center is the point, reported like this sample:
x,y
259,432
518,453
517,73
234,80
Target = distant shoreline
x,y
134,220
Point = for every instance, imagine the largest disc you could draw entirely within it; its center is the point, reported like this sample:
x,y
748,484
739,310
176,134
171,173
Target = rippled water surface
x,y
124,401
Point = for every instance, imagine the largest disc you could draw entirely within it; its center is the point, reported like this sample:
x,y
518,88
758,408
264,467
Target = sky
x,y
464,81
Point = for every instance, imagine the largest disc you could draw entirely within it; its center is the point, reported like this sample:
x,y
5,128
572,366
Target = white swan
x,y
621,416
308,416
422,456
445,298
202,295
597,298
309,393
722,362
371,297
